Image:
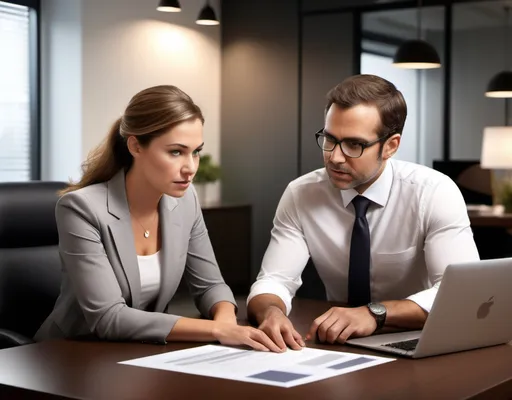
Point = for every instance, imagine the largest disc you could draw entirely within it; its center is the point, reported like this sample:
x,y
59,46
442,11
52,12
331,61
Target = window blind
x,y
14,93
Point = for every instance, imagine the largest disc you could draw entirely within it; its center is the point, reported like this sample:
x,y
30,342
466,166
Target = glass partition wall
x,y
448,110
478,54
382,34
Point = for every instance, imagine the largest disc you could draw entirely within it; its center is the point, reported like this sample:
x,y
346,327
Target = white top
x,y
418,225
149,269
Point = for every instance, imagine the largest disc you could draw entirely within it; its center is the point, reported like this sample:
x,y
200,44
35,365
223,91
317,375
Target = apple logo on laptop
x,y
484,308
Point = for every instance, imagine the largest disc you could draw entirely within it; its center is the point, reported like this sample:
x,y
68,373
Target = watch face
x,y
377,308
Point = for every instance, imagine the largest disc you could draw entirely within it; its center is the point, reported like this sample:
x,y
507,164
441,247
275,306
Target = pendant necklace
x,y
146,231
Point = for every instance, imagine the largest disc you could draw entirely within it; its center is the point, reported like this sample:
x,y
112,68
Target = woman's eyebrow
x,y
182,145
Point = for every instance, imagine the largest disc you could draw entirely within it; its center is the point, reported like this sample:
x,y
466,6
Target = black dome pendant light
x,y
417,53
500,85
169,6
207,16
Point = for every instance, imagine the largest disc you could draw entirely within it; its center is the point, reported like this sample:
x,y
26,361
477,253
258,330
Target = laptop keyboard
x,y
407,345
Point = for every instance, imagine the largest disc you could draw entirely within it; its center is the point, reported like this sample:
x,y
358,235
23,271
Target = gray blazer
x,y
100,290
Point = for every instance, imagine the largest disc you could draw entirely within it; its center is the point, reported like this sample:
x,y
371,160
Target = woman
x,y
133,226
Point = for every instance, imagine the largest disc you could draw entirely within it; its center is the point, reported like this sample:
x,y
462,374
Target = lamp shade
x,y
207,16
169,6
500,85
497,148
416,54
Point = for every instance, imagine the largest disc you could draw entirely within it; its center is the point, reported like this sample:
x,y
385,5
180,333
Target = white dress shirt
x,y
150,277
418,226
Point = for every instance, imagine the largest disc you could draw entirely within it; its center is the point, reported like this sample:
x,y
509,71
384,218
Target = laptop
x,y
472,309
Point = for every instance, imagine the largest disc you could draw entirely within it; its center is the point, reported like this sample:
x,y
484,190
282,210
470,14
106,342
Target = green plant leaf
x,y
506,197
207,171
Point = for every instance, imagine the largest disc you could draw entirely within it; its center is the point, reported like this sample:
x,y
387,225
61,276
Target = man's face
x,y
359,124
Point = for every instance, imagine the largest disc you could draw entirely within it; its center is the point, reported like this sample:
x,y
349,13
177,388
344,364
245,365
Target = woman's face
x,y
170,161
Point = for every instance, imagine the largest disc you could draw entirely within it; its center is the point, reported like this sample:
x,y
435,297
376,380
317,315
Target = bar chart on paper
x,y
288,369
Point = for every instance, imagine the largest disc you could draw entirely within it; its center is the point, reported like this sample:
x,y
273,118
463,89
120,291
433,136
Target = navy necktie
x,y
359,269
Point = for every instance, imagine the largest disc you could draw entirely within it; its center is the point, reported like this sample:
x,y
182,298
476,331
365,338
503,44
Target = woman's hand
x,y
233,335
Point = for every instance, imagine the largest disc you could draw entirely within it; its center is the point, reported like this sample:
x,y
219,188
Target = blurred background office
x,y
261,74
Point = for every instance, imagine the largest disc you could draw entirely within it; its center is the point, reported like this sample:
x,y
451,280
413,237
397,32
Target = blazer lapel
x,y
122,233
171,231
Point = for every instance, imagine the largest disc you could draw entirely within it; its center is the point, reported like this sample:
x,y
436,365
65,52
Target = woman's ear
x,y
133,146
391,146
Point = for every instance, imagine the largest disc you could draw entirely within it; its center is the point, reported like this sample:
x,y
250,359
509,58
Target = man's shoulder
x,y
312,179
418,175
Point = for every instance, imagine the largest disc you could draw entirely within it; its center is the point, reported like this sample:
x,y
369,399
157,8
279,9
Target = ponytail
x,y
104,161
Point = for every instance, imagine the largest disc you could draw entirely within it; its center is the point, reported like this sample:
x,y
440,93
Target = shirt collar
x,y
378,192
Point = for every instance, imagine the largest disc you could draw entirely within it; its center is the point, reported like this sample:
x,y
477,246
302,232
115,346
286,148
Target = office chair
x,y
30,270
473,181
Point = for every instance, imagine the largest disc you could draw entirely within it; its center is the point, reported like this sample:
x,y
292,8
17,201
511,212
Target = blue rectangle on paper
x,y
352,363
278,376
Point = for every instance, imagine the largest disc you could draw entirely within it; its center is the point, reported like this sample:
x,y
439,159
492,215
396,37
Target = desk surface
x,y
485,219
89,370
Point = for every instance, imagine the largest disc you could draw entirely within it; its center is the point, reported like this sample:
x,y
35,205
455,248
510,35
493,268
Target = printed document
x,y
287,369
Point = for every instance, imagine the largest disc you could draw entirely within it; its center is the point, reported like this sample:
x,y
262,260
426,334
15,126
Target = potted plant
x,y
207,172
506,197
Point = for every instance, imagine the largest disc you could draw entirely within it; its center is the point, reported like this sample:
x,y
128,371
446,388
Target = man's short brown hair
x,y
372,90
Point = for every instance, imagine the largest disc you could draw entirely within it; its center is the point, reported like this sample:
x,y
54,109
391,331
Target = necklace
x,y
146,231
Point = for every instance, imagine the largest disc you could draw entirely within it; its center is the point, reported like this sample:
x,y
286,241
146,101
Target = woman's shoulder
x,y
87,196
188,203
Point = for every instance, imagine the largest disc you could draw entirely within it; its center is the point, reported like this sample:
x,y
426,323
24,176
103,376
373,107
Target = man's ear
x,y
133,146
391,146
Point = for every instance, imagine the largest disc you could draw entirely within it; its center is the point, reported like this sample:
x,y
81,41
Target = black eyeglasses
x,y
352,148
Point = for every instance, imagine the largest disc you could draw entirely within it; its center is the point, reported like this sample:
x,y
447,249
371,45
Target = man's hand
x,y
280,329
338,324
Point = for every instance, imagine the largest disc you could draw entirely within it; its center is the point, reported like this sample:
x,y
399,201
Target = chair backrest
x,y
473,181
30,270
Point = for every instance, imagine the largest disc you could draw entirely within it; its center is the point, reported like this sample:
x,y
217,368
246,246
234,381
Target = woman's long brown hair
x,y
150,113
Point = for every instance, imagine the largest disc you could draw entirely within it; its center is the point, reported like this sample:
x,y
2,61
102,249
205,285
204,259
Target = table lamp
x,y
497,156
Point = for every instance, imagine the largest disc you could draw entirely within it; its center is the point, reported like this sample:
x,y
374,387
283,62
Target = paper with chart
x,y
287,369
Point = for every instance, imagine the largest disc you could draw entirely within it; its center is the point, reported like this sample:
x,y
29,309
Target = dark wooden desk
x,y
89,370
495,221
492,233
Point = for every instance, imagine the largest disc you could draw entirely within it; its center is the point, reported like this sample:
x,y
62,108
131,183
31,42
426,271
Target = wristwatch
x,y
378,311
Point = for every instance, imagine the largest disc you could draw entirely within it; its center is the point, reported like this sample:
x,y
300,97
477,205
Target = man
x,y
379,231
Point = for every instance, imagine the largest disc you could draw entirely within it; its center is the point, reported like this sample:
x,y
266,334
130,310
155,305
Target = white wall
x,y
61,89
123,47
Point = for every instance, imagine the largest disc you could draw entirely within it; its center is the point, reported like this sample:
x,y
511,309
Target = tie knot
x,y
360,205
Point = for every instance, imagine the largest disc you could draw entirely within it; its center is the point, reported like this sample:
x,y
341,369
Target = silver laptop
x,y
472,309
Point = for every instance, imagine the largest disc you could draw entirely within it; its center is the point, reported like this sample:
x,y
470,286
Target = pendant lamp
x,y
169,6
500,85
417,53
207,16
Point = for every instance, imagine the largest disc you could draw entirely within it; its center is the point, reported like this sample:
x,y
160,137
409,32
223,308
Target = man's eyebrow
x,y
359,139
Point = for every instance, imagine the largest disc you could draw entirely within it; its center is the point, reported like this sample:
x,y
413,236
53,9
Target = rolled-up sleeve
x,y
449,238
286,255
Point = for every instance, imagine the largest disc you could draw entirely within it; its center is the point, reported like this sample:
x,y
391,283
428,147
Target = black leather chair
x,y
30,270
